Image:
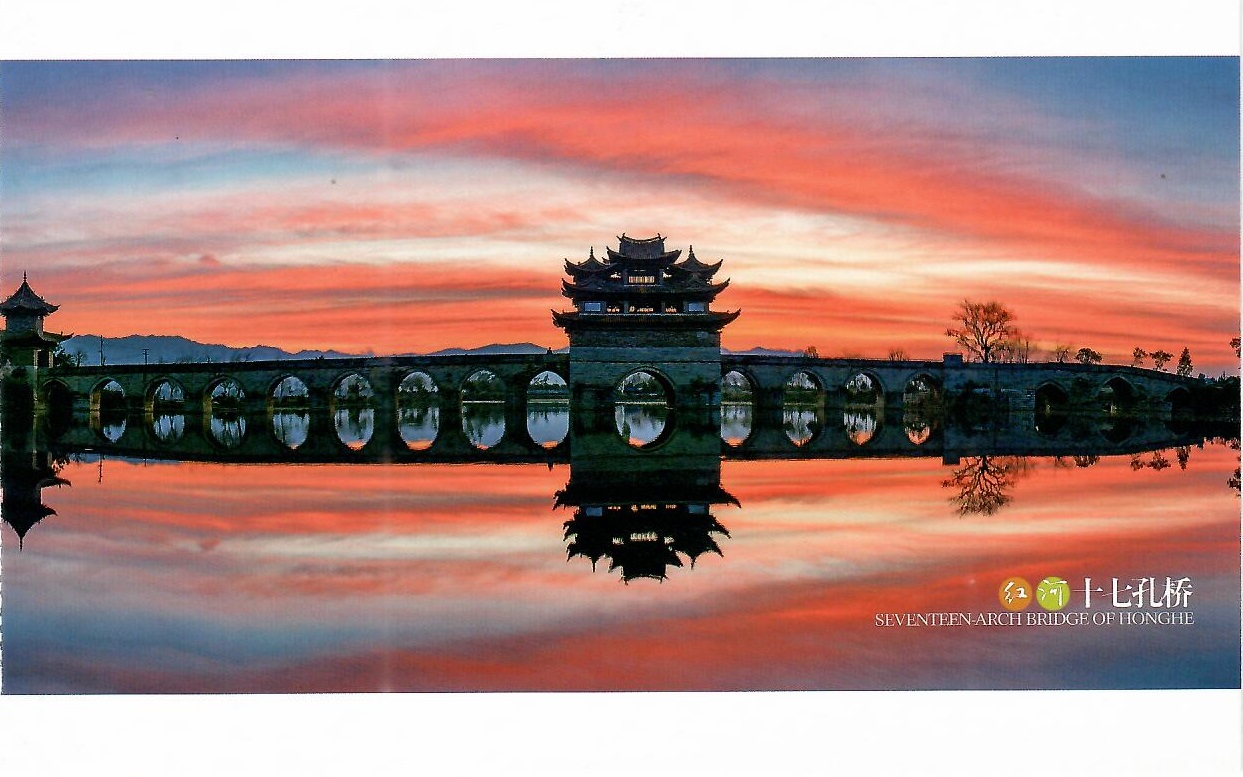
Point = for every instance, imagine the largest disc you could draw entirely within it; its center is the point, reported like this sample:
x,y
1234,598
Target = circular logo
x,y
1053,593
1015,593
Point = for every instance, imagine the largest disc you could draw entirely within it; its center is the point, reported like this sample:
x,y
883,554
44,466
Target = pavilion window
x,y
614,307
671,307
642,280
695,307
594,306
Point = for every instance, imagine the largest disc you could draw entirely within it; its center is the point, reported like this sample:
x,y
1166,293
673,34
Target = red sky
x,y
412,206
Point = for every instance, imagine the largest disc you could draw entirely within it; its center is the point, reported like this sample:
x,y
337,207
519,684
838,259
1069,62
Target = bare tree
x,y
1061,352
897,354
983,328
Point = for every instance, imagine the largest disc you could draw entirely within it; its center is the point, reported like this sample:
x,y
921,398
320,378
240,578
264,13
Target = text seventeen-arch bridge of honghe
x,y
640,309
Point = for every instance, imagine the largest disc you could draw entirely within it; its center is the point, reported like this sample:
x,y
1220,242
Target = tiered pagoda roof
x,y
641,277
24,300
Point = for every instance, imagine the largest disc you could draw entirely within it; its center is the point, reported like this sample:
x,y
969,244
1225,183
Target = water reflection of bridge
x,y
638,508
549,431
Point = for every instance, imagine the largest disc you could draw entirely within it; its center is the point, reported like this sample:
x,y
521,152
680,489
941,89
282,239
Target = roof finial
x,y
592,253
23,276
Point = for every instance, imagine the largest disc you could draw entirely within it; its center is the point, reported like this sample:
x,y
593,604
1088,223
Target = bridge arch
x,y
418,409
1179,400
352,404
921,389
1051,397
166,393
547,403
415,384
643,401
739,385
287,389
107,395
739,391
351,387
1051,406
57,398
863,387
1117,394
482,385
802,387
223,393
108,410
482,394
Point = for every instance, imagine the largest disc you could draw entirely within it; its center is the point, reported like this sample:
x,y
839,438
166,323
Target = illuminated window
x,y
642,279
593,307
695,307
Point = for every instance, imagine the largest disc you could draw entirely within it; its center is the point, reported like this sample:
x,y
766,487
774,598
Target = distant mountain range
x,y
170,349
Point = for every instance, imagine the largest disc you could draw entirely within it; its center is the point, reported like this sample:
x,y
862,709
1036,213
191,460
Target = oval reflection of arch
x,y
548,410
418,411
642,409
353,411
737,408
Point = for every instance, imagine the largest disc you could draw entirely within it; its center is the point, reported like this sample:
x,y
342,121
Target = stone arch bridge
x,y
1025,389
1021,385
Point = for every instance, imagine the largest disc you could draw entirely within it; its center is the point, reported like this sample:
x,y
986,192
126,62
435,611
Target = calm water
x,y
671,559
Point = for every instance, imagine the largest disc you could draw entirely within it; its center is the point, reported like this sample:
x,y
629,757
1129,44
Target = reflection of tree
x,y
640,425
548,421
802,424
418,425
354,425
1157,461
1086,461
167,427
736,423
983,481
483,423
861,425
291,428
1183,452
228,429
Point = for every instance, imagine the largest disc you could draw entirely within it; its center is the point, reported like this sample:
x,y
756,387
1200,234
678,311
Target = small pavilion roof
x,y
25,300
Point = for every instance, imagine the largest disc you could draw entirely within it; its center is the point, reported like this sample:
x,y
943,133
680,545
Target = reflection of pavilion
x,y
644,511
24,476
643,539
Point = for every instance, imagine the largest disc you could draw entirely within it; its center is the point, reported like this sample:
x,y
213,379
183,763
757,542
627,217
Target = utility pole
x,y
144,356
101,351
